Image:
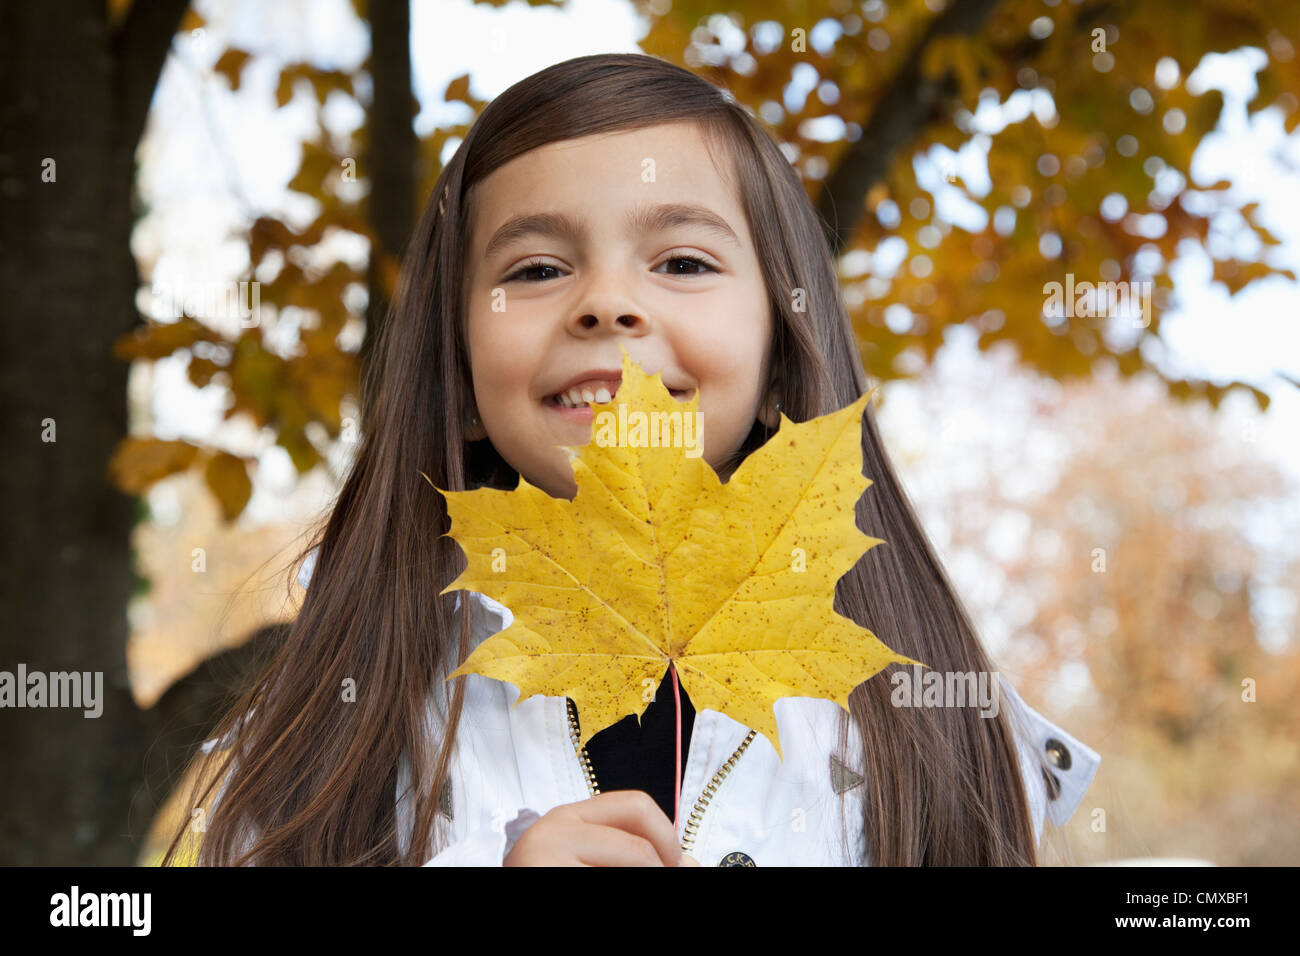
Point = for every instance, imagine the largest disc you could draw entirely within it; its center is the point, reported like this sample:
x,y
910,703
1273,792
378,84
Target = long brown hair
x,y
316,777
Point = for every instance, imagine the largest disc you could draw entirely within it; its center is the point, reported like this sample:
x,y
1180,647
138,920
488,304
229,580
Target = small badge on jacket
x,y
737,858
842,778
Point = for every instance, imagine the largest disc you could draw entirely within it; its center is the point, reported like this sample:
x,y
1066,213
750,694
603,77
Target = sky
x,y
212,160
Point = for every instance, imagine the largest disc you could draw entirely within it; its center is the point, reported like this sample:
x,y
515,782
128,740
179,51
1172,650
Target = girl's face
x,y
576,248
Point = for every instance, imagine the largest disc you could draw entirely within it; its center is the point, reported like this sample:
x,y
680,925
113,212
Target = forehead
x,y
598,177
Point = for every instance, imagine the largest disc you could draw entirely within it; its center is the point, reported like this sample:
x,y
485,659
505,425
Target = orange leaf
x,y
138,463
227,476
457,89
231,65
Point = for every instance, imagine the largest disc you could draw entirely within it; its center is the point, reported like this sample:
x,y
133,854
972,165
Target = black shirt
x,y
628,756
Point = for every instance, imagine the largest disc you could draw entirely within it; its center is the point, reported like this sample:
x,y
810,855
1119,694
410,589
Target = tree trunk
x,y
78,92
392,155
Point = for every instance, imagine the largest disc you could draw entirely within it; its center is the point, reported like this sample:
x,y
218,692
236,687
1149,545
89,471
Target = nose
x,y
591,321
606,307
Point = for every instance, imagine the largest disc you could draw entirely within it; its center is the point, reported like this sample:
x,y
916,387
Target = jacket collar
x,y
493,617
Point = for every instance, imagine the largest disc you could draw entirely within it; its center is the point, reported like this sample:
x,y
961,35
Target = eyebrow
x,y
643,218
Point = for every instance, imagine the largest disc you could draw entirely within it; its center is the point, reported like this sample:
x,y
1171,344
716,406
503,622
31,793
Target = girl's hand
x,y
619,828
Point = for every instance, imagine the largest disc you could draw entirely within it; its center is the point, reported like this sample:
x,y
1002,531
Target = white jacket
x,y
511,764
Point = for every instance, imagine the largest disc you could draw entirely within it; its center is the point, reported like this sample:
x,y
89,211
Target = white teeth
x,y
569,399
581,396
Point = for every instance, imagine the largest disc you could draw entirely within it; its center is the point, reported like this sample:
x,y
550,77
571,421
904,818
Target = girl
x,y
608,201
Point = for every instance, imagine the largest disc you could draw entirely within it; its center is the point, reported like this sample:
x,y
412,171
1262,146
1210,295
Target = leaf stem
x,y
677,762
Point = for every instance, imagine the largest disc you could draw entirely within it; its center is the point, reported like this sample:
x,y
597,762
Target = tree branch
x,y
904,109
139,49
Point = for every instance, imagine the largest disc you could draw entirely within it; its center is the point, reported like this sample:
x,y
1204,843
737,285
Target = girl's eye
x,y
535,265
696,260
531,266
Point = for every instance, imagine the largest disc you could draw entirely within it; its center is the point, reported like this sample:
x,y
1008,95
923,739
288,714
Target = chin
x,y
556,487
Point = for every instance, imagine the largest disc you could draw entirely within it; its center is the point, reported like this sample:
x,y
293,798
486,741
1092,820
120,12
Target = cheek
x,y
735,368
732,337
498,360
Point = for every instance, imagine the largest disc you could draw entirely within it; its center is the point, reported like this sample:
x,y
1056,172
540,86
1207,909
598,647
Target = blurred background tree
x,y
1131,562
885,109
1094,181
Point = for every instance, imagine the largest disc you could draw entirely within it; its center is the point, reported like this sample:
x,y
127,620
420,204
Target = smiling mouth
x,y
576,400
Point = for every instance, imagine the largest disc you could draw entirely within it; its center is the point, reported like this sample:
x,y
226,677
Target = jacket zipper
x,y
583,758
701,805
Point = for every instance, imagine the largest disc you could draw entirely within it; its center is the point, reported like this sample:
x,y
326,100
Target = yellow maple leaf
x,y
657,562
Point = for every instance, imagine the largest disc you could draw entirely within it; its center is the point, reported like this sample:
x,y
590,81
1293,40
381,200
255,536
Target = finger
x,y
688,860
609,846
636,812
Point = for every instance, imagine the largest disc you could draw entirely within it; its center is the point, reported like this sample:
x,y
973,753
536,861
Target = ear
x,y
768,412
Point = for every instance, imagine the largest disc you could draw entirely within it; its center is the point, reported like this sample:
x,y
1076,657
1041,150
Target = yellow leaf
x,y
139,463
284,89
656,562
457,89
227,477
154,340
231,66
